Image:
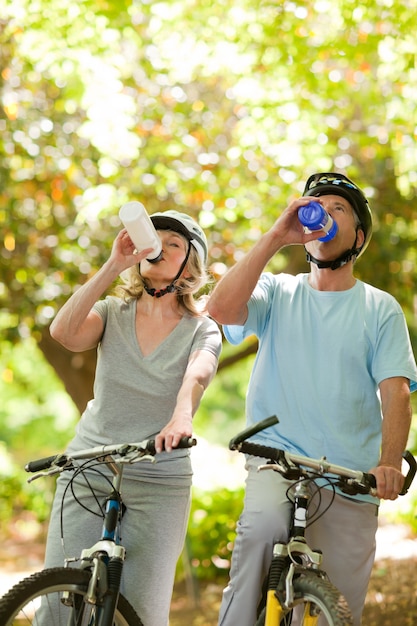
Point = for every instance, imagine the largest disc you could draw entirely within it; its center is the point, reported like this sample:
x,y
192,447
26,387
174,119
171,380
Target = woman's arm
x,y
199,373
76,326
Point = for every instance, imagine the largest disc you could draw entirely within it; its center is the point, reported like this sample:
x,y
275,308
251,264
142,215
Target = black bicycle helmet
x,y
326,183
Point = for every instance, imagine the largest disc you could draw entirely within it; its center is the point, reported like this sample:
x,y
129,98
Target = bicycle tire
x,y
19,605
315,596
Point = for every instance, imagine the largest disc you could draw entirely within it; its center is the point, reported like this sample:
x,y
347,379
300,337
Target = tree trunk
x,y
75,369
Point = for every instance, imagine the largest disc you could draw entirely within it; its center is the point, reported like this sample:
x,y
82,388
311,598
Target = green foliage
x,y
222,116
222,411
408,515
21,503
36,414
217,109
211,532
37,418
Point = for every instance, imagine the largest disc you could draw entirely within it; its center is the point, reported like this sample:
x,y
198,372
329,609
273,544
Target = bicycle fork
x,y
287,559
105,559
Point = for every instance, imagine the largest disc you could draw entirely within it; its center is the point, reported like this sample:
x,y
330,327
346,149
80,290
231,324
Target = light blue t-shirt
x,y
320,360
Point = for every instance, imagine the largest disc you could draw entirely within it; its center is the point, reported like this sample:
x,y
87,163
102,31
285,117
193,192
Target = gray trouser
x,y
345,534
153,532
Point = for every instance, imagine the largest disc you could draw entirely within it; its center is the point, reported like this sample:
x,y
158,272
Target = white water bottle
x,y
140,229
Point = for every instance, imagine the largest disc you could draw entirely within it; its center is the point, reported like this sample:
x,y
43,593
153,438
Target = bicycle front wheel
x,y
316,603
56,597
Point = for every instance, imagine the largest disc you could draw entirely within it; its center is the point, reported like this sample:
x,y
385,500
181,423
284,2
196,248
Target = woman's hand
x,y
123,254
171,434
201,368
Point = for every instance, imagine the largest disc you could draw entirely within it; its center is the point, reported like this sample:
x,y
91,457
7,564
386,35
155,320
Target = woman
x,y
157,353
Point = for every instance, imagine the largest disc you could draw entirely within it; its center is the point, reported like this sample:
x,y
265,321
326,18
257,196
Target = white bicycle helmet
x,y
185,225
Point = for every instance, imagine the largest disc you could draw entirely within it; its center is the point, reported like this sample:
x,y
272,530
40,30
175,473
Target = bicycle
x,y
87,595
296,585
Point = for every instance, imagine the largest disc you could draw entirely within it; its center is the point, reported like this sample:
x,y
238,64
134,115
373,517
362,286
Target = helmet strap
x,y
158,293
344,258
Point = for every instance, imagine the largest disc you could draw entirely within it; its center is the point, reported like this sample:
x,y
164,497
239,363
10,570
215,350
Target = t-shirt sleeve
x,y
208,337
394,340
101,307
259,307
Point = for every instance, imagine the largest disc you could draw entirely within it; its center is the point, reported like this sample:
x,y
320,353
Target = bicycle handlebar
x,y
355,481
252,430
38,465
145,447
412,468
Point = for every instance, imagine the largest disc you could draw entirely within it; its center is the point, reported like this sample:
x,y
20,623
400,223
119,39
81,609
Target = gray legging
x,y
153,532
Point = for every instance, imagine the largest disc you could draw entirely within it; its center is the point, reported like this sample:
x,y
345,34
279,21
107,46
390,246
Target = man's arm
x,y
396,414
228,302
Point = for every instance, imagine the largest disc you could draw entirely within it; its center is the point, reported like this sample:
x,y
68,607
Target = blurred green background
x,y
220,110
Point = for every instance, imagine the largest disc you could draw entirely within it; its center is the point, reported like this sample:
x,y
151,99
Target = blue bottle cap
x,y
312,215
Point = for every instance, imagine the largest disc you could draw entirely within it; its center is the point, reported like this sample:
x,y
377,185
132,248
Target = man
x,y
335,365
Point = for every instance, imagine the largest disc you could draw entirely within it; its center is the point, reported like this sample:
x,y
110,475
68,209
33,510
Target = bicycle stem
x,y
113,503
301,499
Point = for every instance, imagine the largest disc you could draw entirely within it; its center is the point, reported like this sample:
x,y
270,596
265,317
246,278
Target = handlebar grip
x,y
257,450
184,442
369,479
187,442
412,467
252,430
46,463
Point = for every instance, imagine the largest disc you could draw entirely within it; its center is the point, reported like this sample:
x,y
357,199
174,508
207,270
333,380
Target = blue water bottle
x,y
313,217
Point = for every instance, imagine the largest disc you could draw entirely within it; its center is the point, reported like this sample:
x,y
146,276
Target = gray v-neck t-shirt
x,y
135,395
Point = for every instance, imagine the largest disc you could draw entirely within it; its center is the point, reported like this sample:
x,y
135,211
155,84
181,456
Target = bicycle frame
x,y
107,555
297,552
294,565
102,563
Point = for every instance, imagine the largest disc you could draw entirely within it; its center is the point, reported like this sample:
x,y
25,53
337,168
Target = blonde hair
x,y
186,288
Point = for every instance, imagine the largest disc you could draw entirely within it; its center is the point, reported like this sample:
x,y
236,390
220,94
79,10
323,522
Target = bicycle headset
x,y
329,183
186,226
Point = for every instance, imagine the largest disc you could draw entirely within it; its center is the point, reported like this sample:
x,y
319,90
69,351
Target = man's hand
x,y
389,481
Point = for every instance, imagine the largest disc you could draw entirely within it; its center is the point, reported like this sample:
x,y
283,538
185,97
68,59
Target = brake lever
x,y
51,472
290,471
135,457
